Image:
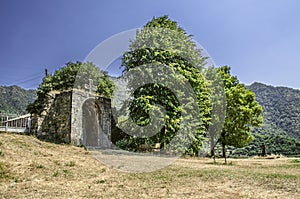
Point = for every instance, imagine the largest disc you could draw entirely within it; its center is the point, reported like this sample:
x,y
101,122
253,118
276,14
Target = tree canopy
x,y
72,75
243,112
164,46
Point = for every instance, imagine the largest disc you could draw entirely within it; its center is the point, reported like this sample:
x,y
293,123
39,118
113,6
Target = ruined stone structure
x,y
75,116
90,120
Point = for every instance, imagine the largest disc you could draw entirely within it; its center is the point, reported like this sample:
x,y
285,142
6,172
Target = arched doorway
x,y
91,123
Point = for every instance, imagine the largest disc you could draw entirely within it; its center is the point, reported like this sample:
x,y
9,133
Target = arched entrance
x,y
91,123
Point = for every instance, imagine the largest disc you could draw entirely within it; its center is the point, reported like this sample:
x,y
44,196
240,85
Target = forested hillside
x,y
281,126
281,108
14,99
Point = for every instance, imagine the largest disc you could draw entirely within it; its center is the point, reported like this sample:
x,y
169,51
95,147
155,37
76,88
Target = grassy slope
x,y
30,168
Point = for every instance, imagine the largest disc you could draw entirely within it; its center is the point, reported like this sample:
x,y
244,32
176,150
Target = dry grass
x,y
30,168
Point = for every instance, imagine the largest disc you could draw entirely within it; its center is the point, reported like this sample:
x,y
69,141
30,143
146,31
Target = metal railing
x,y
15,123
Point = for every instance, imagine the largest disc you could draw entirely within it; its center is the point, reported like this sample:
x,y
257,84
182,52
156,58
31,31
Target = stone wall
x,y
62,118
54,124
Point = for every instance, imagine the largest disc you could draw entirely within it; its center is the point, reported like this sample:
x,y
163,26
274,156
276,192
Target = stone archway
x,y
91,124
90,120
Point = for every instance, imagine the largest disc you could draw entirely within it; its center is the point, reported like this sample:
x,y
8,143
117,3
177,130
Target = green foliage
x,y
100,181
70,164
14,100
281,109
165,35
280,130
64,78
162,43
243,112
295,161
36,165
72,75
3,171
275,144
55,174
105,86
215,84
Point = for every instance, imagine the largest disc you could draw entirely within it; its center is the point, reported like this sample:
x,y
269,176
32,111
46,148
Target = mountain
x,y
281,107
280,132
14,100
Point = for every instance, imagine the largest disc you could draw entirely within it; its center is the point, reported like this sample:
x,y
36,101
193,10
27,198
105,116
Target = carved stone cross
x,y
90,86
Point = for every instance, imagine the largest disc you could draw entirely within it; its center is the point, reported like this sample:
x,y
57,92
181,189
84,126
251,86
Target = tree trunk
x,y
212,149
224,152
213,155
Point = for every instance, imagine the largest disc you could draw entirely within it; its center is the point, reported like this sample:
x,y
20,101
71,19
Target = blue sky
x,y
259,39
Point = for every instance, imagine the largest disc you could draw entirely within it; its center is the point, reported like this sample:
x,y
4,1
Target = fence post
x,y
6,124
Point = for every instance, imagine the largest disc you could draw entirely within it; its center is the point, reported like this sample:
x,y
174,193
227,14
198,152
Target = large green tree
x,y
159,47
218,107
243,112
